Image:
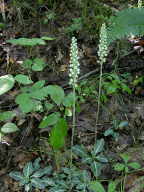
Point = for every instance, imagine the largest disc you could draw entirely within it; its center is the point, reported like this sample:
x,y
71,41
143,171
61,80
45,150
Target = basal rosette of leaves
x,y
95,158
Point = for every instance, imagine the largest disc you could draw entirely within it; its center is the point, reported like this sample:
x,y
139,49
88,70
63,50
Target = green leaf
x,y
38,64
119,167
69,100
134,165
125,157
80,151
36,164
39,94
58,134
48,106
108,132
96,168
6,83
48,38
23,79
37,183
123,124
25,102
102,158
7,115
56,93
38,85
28,169
49,120
112,186
98,147
41,172
9,128
96,186
27,41
16,175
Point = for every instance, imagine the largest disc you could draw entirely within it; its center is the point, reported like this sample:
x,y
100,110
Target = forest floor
x,y
121,115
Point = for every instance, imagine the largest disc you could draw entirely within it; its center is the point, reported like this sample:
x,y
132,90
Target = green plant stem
x,y
73,121
99,96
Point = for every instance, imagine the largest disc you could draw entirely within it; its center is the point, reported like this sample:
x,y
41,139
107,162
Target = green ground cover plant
x,y
55,105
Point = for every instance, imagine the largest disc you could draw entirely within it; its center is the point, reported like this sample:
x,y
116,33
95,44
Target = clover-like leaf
x,y
6,83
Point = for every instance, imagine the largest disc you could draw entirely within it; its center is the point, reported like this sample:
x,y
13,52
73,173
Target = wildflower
x,y
74,69
103,45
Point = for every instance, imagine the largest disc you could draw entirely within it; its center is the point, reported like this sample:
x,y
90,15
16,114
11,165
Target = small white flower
x,y
74,69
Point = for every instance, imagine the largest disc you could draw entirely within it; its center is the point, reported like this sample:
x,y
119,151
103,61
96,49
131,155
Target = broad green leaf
x,y
38,64
25,103
23,79
27,41
125,157
96,186
58,134
39,94
119,167
6,83
101,158
80,151
41,172
98,147
56,93
27,64
134,165
28,169
96,168
112,186
49,120
9,128
16,175
7,115
69,100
